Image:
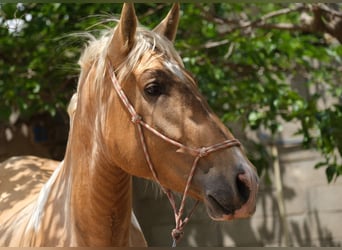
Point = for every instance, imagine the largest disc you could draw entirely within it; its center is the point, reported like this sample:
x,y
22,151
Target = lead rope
x,y
177,233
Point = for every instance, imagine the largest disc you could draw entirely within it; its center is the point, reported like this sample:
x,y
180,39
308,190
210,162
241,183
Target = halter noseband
x,y
198,153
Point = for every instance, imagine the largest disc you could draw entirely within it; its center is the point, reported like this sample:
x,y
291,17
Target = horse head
x,y
165,95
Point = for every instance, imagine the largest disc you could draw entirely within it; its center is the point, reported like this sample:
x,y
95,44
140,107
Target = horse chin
x,y
218,213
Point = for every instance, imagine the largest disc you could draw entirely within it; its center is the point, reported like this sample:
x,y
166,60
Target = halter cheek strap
x,y
198,153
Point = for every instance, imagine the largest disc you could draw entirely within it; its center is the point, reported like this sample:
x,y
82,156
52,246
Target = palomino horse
x,y
138,112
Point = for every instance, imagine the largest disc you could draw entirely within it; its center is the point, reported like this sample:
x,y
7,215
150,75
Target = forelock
x,y
146,43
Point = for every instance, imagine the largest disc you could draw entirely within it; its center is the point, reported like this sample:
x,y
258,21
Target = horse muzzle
x,y
226,200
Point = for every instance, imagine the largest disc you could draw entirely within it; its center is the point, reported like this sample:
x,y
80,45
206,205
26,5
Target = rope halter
x,y
198,153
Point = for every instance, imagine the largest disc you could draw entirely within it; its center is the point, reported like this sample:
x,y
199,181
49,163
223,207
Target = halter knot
x,y
136,119
203,152
177,234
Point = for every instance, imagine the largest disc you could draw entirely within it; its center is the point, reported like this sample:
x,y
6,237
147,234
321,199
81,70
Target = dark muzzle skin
x,y
230,198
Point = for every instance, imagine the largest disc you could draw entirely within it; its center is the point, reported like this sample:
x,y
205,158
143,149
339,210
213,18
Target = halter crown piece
x,y
198,153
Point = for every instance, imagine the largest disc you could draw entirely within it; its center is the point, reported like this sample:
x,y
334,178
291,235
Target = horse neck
x,y
100,195
101,192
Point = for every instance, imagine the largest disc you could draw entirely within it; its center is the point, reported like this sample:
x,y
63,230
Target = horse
x,y
138,112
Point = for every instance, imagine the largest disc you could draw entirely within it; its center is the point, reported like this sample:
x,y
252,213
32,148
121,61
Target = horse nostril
x,y
243,187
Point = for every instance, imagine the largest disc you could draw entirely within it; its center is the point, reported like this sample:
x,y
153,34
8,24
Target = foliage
x,y
244,72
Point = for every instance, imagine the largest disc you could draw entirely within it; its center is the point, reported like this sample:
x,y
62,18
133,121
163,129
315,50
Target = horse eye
x,y
153,89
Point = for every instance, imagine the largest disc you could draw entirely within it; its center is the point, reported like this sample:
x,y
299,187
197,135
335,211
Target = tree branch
x,y
282,26
261,20
323,20
328,10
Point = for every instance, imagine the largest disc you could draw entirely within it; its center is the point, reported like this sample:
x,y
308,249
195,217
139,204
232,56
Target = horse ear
x,y
168,27
124,35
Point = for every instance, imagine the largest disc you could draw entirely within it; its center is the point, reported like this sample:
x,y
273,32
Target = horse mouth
x,y
219,212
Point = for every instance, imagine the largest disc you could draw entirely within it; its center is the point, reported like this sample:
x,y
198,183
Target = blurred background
x,y
272,72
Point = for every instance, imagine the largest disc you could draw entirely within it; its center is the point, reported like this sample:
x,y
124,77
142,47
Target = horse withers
x,y
138,112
